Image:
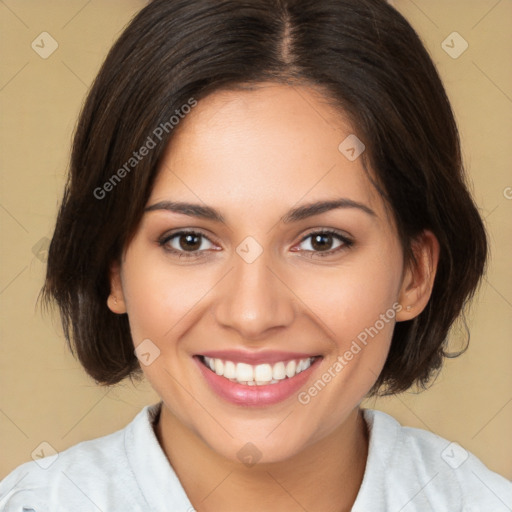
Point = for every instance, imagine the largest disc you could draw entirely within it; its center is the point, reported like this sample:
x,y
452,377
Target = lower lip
x,y
241,394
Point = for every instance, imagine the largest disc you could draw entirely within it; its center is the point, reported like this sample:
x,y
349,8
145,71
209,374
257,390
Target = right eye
x,y
187,244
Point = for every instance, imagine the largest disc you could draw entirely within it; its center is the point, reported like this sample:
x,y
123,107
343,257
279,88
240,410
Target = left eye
x,y
321,242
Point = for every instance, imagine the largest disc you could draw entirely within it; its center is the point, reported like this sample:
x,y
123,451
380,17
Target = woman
x,y
266,216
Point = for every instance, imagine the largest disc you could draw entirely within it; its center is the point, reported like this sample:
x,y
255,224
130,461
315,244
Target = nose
x,y
253,299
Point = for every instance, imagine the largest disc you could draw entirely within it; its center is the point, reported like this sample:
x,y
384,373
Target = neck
x,y
324,476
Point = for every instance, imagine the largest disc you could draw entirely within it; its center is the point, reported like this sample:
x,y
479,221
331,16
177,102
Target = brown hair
x,y
368,60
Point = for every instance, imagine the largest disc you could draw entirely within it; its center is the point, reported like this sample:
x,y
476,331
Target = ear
x,y
419,275
115,300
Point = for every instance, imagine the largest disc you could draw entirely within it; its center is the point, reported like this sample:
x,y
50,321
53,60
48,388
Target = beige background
x,y
45,395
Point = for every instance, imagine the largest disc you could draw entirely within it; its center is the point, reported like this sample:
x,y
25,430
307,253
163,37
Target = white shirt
x,y
407,470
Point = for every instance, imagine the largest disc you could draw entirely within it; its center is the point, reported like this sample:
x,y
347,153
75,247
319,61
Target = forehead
x,y
264,147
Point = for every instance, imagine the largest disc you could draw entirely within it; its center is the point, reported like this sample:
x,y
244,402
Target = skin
x,y
253,155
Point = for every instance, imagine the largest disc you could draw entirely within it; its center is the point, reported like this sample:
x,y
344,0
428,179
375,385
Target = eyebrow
x,y
294,215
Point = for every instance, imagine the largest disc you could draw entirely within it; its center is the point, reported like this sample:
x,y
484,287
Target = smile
x,y
257,375
256,379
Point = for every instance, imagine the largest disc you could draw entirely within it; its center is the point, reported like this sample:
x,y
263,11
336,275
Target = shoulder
x,y
414,469
77,478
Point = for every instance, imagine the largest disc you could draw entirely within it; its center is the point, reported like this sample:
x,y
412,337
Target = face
x,y
256,286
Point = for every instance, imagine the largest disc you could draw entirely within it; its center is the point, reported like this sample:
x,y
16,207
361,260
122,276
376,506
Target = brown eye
x,y
184,242
189,242
321,242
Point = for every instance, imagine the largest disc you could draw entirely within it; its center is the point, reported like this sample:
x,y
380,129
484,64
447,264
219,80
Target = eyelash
x,y
347,243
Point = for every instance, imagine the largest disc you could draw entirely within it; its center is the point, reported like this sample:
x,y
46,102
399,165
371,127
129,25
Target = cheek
x,y
161,302
159,297
352,298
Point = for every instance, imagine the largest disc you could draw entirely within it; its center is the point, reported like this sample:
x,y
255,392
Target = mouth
x,y
257,380
260,374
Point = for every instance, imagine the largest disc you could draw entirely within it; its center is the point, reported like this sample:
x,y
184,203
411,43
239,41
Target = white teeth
x,y
229,370
258,375
244,372
263,373
290,368
279,371
219,367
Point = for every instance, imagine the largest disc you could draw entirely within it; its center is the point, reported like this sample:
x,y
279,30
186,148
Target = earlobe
x,y
418,280
115,300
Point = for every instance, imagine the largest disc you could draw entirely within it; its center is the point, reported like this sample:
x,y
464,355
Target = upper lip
x,y
254,358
